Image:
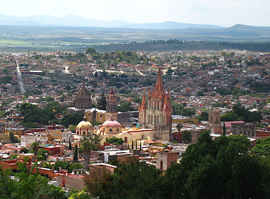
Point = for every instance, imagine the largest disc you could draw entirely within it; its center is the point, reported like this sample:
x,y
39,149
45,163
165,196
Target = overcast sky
x,y
215,12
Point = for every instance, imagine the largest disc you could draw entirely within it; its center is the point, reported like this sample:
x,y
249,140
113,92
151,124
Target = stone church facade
x,y
156,112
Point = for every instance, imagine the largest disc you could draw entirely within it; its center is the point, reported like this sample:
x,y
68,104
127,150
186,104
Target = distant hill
x,y
170,25
76,21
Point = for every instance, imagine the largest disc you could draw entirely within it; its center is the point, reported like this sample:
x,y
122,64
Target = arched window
x,y
110,130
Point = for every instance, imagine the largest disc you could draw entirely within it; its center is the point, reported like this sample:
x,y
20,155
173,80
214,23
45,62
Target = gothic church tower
x,y
158,111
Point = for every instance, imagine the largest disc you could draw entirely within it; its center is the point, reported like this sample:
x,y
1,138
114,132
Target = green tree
x,y
12,138
43,153
91,51
69,145
262,147
203,116
24,150
35,148
101,102
27,185
75,155
220,165
186,136
88,145
179,126
126,106
134,180
75,165
115,141
71,119
231,116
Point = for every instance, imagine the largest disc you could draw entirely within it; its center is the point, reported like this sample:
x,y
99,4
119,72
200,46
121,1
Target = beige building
x,y
112,128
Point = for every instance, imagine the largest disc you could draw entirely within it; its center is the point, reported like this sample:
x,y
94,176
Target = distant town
x,y
125,124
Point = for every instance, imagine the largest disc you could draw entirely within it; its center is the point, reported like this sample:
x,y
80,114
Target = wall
x,y
74,181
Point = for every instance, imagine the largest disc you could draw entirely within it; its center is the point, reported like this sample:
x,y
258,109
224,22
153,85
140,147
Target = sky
x,y
215,12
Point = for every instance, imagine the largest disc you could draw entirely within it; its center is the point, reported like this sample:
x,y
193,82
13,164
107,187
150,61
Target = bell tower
x,y
111,110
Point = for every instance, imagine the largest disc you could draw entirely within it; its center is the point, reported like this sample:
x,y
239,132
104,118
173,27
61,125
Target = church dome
x,y
83,98
84,125
83,92
111,123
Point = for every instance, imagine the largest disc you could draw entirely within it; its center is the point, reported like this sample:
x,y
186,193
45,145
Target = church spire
x,y
149,93
159,84
143,101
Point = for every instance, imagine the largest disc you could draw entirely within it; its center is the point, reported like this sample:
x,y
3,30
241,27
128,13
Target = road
x,y
19,75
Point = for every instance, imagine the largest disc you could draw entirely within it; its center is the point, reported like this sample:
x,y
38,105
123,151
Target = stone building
x,y
247,129
165,159
157,111
111,106
214,123
83,99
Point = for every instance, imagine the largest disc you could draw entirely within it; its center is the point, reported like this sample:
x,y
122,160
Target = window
x,y
110,130
89,114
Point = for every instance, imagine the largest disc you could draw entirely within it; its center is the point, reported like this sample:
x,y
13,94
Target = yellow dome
x,y
84,125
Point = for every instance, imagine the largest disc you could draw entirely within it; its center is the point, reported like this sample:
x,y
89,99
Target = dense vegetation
x,y
173,45
25,185
220,168
241,113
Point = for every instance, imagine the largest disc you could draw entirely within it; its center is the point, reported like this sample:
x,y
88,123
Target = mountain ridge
x,y
77,21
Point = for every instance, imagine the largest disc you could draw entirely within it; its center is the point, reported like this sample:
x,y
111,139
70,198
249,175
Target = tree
x,y
88,145
27,185
134,180
91,51
220,165
203,116
101,102
71,119
200,93
179,126
231,116
69,145
75,165
24,150
262,147
115,141
35,148
224,129
43,153
186,136
12,138
33,113
126,106
75,155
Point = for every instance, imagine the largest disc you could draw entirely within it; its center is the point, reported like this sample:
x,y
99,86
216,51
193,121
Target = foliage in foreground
x,y
220,168
25,185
